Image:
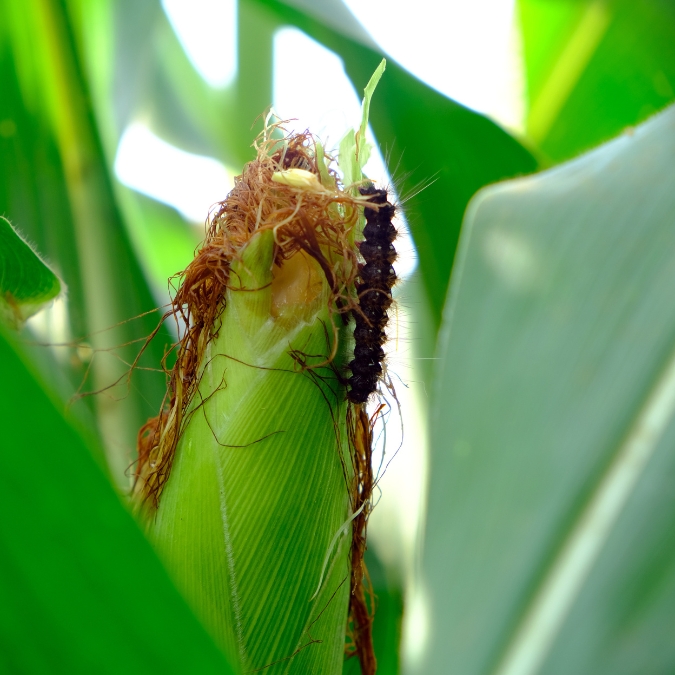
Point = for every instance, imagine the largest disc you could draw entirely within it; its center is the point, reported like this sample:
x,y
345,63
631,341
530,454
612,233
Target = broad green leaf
x,y
26,283
428,137
80,588
594,68
56,189
549,546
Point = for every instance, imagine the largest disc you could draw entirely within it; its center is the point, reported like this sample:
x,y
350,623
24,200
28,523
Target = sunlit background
x,y
165,97
481,39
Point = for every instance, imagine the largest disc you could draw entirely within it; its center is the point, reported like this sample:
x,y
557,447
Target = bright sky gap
x,y
190,183
469,51
207,30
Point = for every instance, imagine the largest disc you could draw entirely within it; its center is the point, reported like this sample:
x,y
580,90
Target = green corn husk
x,y
245,529
251,507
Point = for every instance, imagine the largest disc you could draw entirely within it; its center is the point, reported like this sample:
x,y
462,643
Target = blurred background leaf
x,y
57,189
595,67
549,538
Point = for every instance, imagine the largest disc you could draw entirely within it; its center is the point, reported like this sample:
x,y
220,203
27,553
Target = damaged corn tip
x,y
309,229
299,178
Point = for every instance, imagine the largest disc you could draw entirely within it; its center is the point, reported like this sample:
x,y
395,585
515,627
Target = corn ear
x,y
257,491
251,477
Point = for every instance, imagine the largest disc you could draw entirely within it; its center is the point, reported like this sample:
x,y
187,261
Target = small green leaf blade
x,y
558,337
80,588
26,283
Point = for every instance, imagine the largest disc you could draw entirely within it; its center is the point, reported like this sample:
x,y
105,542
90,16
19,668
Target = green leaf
x,y
26,283
428,137
80,588
549,546
57,189
594,68
33,193
354,148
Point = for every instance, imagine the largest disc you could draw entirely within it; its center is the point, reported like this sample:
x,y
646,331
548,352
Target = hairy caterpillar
x,y
376,278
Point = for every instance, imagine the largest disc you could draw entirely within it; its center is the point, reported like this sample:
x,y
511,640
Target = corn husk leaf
x,y
257,491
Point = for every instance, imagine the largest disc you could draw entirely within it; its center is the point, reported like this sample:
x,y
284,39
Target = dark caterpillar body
x,y
376,278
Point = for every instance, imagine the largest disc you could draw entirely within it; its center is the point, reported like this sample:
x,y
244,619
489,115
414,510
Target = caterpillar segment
x,y
375,281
